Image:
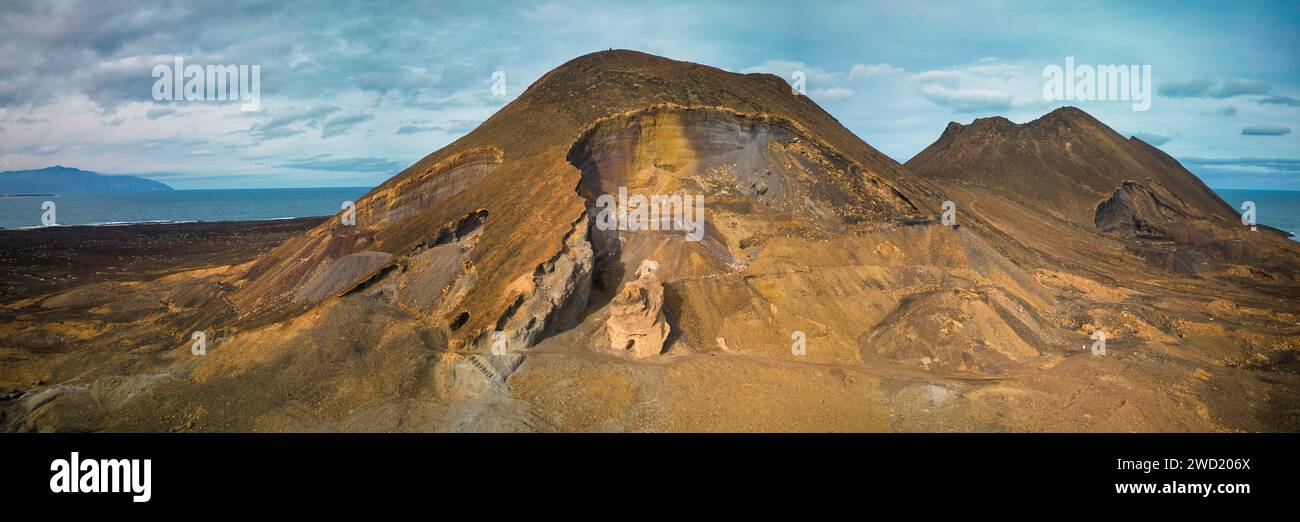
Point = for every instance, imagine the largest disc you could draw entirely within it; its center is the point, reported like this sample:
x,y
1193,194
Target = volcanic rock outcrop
x,y
636,321
1135,211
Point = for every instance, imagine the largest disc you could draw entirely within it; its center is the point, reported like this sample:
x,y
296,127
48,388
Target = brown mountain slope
x,y
1067,160
519,168
1066,184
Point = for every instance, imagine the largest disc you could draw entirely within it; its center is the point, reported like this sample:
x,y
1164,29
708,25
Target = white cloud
x,y
832,93
984,87
985,72
815,76
963,99
950,78
878,69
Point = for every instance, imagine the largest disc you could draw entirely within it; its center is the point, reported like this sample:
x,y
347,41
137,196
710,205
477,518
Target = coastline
x,y
159,222
46,259
174,206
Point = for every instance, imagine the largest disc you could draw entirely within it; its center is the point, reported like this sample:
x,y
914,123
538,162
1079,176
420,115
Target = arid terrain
x,y
479,291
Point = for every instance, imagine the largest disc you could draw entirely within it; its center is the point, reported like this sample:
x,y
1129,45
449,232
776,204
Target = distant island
x,y
65,180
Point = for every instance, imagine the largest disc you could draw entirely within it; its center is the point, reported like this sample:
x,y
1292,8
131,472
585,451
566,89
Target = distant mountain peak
x,y
1068,111
1062,116
992,121
1058,163
1067,115
59,179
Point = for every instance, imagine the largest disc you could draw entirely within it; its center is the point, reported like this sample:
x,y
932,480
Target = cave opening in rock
x,y
459,321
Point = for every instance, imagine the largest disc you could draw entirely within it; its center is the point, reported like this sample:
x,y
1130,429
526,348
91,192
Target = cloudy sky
x,y
353,92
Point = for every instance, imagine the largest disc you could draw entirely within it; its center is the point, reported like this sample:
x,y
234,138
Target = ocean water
x,y
177,206
1275,208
